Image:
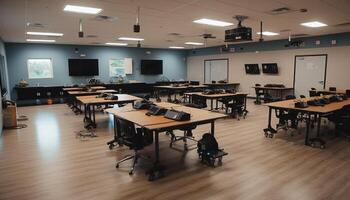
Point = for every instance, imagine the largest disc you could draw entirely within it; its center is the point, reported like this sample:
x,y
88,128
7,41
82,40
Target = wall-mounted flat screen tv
x,y
252,69
270,68
83,67
149,67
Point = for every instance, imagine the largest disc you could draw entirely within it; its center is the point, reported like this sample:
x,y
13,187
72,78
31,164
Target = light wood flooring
x,y
46,161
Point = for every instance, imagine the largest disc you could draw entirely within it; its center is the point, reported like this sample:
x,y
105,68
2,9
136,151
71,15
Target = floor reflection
x,y
47,133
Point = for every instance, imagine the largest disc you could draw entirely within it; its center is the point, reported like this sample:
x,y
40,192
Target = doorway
x,y
309,72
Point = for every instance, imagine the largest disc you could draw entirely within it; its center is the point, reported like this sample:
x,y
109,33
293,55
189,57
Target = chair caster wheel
x,y
110,146
117,166
270,135
131,173
266,134
322,146
312,145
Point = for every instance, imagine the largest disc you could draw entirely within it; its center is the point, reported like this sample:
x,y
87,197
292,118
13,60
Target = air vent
x,y
105,18
342,24
285,30
279,11
91,36
35,25
299,35
175,34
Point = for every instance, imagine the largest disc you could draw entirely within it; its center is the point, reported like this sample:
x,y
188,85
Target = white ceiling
x,y
161,17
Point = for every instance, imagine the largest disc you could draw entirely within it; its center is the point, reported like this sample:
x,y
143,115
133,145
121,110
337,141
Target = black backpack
x,y
207,145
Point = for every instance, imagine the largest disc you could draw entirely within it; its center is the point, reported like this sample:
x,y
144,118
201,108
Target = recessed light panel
x,y
212,22
45,34
176,47
194,43
116,44
314,24
82,9
130,39
37,40
268,33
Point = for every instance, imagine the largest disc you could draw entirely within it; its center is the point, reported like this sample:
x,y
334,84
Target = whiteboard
x,y
310,72
215,70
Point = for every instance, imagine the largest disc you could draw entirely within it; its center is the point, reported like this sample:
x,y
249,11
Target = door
x,y
309,72
215,70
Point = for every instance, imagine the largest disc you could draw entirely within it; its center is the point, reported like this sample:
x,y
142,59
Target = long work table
x,y
316,111
172,89
159,124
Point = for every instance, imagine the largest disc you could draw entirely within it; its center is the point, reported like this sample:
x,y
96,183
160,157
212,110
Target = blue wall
x,y
174,62
343,39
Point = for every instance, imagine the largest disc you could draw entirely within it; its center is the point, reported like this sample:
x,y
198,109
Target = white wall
x,y
338,67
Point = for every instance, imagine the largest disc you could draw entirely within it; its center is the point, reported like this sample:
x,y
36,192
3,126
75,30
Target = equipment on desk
x,y
336,98
88,89
211,91
156,110
135,139
175,85
194,82
94,81
177,115
301,104
325,100
143,104
222,81
102,95
315,102
111,97
333,89
208,150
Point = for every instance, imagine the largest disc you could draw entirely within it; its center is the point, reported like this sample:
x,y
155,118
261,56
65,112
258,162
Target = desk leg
x,y
157,171
211,104
93,117
116,133
169,96
269,131
317,140
212,128
85,113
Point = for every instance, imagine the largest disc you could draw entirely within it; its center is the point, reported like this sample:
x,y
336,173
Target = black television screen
x,y
270,68
151,66
83,67
252,68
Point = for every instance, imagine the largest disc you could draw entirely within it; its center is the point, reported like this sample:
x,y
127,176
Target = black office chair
x,y
237,106
313,92
333,89
198,102
347,92
259,94
135,139
341,119
288,118
224,103
289,97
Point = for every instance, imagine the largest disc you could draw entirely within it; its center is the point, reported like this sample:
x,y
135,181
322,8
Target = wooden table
x,y
82,88
93,92
213,97
325,92
317,111
158,124
222,85
176,89
89,103
279,90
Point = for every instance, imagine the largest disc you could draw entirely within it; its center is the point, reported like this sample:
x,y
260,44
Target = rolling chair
x,y
333,89
259,93
135,139
341,119
287,118
187,135
347,92
238,106
224,103
313,92
198,102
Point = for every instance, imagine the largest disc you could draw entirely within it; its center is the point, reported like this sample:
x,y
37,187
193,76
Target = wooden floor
x,y
47,161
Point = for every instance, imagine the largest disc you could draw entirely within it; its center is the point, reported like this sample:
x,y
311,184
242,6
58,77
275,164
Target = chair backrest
x,y
257,85
332,89
348,93
313,93
132,137
313,88
239,99
199,101
302,96
288,97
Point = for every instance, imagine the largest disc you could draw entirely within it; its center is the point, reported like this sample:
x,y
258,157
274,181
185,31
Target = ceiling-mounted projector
x,y
240,33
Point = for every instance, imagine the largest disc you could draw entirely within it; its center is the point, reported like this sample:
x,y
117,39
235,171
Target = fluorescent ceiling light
x,y
37,40
194,43
268,33
45,34
212,22
314,24
82,9
117,44
130,39
175,47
